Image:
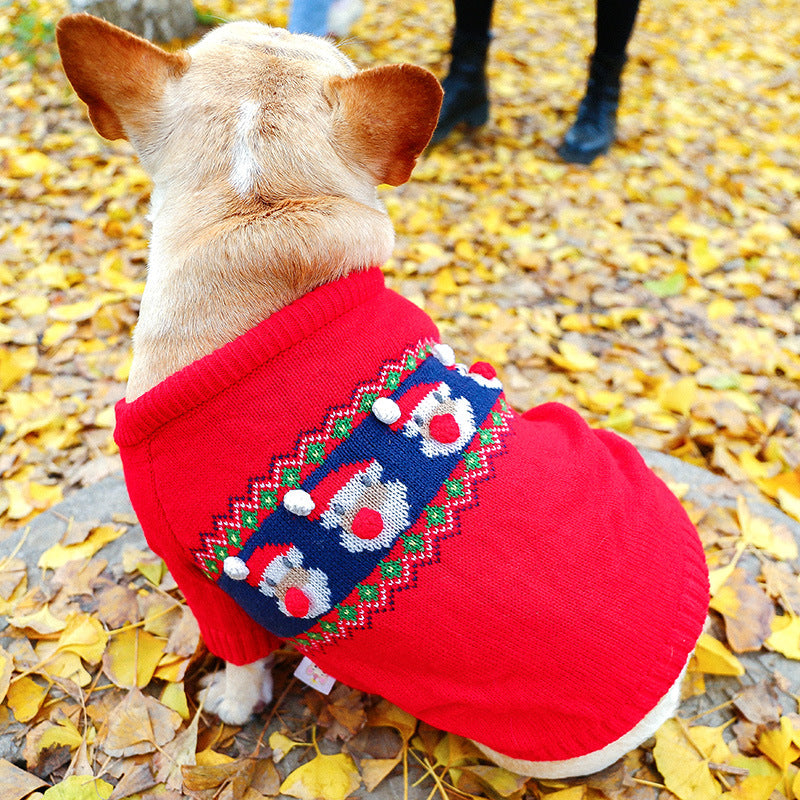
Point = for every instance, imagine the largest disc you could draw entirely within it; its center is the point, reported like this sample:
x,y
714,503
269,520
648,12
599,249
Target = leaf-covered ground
x,y
655,292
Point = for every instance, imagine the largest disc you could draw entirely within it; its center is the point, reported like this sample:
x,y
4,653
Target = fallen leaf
x,y
332,777
713,658
79,787
58,554
16,783
132,657
746,610
140,724
686,772
25,697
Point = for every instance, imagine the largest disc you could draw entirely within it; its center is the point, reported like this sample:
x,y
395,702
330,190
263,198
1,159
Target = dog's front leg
x,y
235,693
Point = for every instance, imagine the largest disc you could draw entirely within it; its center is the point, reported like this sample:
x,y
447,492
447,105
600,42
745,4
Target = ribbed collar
x,y
208,376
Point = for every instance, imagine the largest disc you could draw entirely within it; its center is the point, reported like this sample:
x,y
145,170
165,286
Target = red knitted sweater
x,y
331,475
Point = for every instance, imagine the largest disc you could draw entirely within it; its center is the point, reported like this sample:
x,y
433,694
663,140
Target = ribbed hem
x,y
208,376
241,647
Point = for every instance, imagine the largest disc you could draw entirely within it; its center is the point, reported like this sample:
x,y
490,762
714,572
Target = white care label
x,y
308,672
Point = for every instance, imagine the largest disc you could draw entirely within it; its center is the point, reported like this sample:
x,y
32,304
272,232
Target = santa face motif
x,y
301,593
444,424
369,513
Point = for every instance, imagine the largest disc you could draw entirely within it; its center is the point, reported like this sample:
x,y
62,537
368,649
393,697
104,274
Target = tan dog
x,y
265,150
241,225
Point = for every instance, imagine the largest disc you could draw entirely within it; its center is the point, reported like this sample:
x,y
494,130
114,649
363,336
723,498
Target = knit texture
x,y
331,475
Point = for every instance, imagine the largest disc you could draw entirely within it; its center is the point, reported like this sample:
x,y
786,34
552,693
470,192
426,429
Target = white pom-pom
x,y
235,568
299,502
386,410
445,354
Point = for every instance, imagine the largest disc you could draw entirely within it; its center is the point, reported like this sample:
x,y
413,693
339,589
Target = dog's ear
x,y
119,76
384,117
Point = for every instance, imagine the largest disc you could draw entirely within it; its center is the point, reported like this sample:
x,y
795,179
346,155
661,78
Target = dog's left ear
x,y
384,117
120,77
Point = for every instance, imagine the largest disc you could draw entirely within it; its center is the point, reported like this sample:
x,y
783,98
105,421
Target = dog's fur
x,y
265,149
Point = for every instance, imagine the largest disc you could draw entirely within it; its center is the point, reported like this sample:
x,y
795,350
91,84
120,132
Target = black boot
x,y
595,128
466,97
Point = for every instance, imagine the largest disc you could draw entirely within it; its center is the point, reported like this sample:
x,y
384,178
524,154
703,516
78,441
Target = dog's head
x,y
252,111
265,150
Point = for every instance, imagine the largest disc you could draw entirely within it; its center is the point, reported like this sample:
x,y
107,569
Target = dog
x,y
312,462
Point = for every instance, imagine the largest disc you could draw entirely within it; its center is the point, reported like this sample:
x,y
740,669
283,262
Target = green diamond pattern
x,y
220,552
486,437
249,520
413,543
367,400
290,476
391,569
454,488
368,591
342,428
434,515
268,499
472,460
393,379
315,453
328,626
347,613
235,537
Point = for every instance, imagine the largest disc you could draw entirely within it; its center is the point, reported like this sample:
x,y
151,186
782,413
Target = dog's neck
x,y
212,276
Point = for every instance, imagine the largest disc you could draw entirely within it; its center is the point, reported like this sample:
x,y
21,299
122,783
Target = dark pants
x,y
614,23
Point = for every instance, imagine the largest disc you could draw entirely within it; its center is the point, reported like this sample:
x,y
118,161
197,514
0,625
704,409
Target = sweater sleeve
x,y
227,630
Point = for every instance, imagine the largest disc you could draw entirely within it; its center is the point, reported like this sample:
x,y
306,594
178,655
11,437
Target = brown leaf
x,y
178,753
15,783
747,611
139,778
759,703
140,724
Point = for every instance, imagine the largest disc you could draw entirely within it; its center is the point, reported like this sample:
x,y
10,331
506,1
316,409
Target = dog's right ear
x,y
384,117
118,75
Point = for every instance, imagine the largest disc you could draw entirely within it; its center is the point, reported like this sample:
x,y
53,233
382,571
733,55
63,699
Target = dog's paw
x,y
236,693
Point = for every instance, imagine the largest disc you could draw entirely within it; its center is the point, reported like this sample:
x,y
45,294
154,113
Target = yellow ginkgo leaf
x,y
15,364
85,636
132,657
58,555
686,772
572,359
761,780
6,668
761,533
43,622
713,658
789,503
25,697
282,744
174,697
785,636
64,733
330,777
80,787
778,745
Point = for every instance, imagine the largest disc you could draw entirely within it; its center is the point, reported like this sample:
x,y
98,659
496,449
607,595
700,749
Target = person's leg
x,y
466,96
309,16
594,129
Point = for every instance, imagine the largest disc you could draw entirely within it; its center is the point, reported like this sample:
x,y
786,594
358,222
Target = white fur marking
x,y
245,165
